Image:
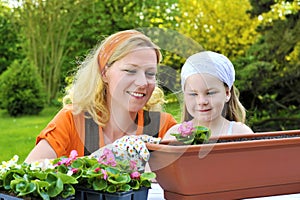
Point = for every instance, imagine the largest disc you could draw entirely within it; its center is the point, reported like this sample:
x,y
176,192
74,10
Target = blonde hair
x,y
233,110
156,100
88,91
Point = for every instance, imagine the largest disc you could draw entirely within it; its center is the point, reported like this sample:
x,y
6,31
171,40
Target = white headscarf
x,y
211,63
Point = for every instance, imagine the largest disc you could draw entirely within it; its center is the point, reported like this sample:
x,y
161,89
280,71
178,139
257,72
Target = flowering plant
x,y
189,134
62,176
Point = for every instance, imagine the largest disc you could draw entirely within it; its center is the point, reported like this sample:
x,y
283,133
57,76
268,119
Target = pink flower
x,y
97,170
133,165
107,158
73,154
104,172
74,170
186,129
135,175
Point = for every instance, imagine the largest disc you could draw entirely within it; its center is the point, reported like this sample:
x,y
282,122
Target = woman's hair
x,y
156,100
88,91
233,110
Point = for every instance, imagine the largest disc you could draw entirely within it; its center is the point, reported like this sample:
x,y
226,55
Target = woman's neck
x,y
119,125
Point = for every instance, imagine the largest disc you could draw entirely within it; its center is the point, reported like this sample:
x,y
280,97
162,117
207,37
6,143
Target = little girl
x,y
210,97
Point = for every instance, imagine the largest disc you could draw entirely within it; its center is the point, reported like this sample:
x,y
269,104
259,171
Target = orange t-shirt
x,y
66,132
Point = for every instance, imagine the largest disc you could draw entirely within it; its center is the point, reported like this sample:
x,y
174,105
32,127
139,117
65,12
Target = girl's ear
x,y
228,94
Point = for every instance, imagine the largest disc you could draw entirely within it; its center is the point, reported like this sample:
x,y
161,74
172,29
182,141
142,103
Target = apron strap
x,y
91,142
151,123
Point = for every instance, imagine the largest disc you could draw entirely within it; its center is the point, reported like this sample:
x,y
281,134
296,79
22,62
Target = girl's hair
x,y
88,90
233,110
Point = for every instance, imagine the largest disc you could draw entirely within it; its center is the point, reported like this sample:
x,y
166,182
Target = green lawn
x,y
18,134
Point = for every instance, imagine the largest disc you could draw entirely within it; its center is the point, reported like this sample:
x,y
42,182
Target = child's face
x,y
131,80
205,96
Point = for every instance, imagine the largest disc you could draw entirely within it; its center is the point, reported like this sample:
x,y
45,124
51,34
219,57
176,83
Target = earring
x,y
227,98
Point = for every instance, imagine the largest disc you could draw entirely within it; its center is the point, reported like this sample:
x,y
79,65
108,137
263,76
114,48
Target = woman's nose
x,y
141,80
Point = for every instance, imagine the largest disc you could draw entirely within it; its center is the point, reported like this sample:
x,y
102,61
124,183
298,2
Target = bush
x,y
21,89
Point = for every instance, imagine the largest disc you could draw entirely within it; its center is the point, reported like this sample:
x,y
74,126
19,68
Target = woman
x,y
210,97
106,99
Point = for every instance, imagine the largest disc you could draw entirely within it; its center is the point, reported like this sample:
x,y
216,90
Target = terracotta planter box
x,y
255,165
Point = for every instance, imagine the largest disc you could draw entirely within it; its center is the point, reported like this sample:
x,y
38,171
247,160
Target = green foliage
x,y
60,177
21,89
101,18
192,135
268,77
219,25
9,48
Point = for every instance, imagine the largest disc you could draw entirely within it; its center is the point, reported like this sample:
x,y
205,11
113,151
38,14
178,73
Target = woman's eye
x,y
129,71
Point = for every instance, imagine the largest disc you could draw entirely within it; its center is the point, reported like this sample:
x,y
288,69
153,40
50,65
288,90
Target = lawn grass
x,y
18,134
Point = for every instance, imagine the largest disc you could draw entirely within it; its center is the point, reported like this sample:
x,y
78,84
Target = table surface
x,y
157,193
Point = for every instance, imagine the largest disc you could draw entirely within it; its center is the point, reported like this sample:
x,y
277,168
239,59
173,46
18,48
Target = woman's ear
x,y
103,75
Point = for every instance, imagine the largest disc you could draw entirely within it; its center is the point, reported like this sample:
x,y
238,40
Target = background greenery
x,y
260,37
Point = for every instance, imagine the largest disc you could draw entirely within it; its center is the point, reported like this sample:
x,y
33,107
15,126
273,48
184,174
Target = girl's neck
x,y
217,126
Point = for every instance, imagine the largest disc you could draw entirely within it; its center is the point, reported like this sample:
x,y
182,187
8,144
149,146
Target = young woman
x,y
210,97
106,100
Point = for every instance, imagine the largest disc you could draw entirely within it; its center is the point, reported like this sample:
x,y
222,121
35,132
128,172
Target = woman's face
x,y
131,80
205,96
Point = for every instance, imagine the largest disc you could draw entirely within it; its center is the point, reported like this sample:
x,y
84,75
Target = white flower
x,y
12,163
37,165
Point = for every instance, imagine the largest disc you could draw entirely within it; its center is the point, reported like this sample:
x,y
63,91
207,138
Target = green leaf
x,y
146,183
56,185
147,176
121,179
78,163
99,184
135,184
112,171
125,187
68,191
111,188
38,174
29,188
66,179
7,178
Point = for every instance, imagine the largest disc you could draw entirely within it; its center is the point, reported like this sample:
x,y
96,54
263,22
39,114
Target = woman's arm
x,y
42,150
173,129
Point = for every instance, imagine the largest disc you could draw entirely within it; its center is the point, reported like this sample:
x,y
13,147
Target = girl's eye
x,y
151,74
211,93
192,94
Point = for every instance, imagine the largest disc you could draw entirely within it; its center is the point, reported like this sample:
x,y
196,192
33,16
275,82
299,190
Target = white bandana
x,y
211,63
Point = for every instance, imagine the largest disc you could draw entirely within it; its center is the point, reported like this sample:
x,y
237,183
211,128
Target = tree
x,y
277,95
46,25
219,25
9,43
21,89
